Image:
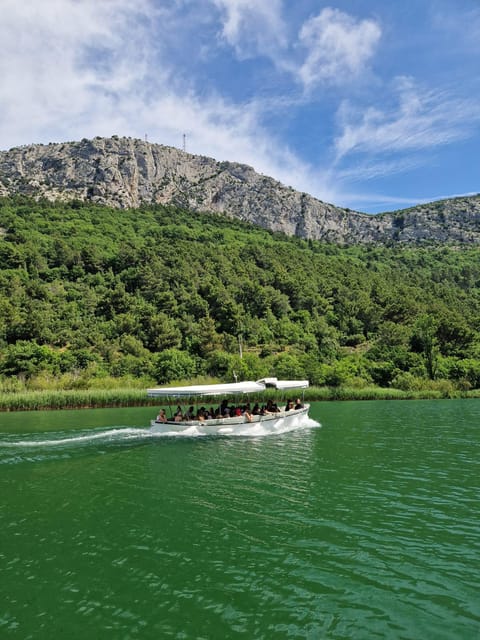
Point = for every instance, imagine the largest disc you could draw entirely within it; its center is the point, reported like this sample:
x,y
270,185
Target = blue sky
x,y
367,104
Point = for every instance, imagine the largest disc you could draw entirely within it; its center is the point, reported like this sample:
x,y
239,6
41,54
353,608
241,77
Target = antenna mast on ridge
x,y
184,141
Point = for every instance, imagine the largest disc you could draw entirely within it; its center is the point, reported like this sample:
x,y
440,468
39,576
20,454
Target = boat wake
x,y
69,438
16,448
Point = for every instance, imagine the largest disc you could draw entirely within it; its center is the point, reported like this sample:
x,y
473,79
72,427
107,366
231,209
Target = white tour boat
x,y
241,412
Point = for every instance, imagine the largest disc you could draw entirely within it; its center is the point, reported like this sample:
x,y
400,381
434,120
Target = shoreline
x,y
118,398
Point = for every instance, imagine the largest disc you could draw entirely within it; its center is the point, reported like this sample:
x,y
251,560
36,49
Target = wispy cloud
x,y
380,202
462,26
421,119
372,167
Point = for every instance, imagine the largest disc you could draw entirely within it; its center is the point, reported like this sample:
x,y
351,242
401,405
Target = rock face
x,y
124,172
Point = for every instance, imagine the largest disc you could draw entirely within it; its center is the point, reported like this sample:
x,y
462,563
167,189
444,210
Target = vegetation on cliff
x,y
89,293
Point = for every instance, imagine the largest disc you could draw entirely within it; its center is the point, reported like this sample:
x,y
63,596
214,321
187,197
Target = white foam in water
x,y
86,437
123,434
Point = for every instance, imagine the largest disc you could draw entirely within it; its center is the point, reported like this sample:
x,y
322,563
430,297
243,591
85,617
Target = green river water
x,y
365,527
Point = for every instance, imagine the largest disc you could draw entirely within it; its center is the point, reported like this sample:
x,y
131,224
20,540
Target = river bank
x,y
128,397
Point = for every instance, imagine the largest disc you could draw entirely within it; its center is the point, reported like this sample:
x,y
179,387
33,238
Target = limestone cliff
x,y
125,172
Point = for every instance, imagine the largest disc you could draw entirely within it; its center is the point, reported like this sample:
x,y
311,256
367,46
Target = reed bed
x,y
130,397
74,399
368,393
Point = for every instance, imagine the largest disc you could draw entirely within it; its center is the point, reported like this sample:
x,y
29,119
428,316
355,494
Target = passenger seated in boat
x,y
178,414
223,406
161,416
247,413
271,407
289,406
189,414
206,413
298,404
256,409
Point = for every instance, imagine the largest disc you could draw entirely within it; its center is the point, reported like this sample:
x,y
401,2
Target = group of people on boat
x,y
227,410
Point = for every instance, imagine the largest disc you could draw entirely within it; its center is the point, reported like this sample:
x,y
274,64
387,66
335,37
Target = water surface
x,y
366,527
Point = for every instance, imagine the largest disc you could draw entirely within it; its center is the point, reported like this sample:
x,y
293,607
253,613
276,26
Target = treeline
x,y
159,294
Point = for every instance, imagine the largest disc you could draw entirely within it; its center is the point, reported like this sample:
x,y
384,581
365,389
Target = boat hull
x,y
269,423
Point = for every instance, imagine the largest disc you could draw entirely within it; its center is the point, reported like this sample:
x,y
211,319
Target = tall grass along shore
x,y
98,398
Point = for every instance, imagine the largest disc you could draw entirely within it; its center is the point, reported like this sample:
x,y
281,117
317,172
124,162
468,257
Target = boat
x,y
243,396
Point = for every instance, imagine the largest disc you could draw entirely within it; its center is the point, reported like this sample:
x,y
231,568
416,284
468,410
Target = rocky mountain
x,y
126,172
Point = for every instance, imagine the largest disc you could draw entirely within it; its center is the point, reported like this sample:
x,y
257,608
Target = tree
x,y
206,340
160,332
27,358
424,340
173,364
122,287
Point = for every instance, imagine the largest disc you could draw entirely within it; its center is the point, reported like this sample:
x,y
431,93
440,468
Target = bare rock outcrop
x,y
126,173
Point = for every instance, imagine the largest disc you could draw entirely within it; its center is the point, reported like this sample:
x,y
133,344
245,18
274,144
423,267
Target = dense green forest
x,y
160,294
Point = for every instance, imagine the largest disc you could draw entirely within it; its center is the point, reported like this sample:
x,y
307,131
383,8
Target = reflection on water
x,y
367,527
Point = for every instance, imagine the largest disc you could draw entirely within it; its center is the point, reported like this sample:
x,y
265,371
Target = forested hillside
x,y
87,292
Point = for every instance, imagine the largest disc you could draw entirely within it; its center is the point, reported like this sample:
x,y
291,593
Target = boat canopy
x,y
230,388
225,389
284,384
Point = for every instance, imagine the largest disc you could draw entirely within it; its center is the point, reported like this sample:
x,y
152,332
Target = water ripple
x,y
366,528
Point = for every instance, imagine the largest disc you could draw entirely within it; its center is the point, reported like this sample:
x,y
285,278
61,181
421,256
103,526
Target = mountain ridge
x,y
129,172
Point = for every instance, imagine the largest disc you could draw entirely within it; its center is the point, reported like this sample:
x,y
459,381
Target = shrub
x,y
173,364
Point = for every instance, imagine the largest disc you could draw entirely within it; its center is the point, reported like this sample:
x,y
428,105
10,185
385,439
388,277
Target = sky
x,y
372,105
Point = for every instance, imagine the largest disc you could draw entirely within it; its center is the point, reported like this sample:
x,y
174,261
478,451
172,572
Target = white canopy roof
x,y
228,388
284,384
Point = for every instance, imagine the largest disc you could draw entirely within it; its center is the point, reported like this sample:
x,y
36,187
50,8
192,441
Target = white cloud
x,y
253,27
79,68
422,119
61,60
331,47
72,69
338,47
